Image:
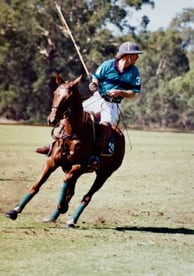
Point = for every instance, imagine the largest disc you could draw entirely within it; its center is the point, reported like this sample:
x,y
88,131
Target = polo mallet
x,y
65,25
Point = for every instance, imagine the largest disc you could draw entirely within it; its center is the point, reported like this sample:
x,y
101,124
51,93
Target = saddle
x,y
102,144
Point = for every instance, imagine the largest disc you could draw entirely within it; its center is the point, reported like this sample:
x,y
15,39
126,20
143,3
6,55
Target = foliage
x,y
34,46
163,60
183,24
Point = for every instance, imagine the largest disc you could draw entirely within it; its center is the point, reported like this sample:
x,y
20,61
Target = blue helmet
x,y
129,48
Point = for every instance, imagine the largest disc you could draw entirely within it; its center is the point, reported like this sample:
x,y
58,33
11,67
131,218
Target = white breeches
x,y
109,112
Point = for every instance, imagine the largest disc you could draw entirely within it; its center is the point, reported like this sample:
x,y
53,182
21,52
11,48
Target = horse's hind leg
x,y
48,168
98,183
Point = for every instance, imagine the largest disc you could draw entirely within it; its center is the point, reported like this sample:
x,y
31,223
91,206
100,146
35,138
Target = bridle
x,y
67,112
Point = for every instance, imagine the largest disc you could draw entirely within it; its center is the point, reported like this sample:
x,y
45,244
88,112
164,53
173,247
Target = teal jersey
x,y
110,78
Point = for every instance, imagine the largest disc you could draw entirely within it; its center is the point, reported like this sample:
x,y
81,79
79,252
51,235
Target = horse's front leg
x,y
67,192
98,183
48,168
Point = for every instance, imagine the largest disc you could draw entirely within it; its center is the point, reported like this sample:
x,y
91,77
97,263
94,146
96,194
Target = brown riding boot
x,y
94,162
45,150
103,139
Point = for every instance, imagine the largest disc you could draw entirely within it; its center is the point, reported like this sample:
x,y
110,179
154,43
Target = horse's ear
x,y
58,78
77,81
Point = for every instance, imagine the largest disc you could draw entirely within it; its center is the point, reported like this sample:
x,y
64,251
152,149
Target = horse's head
x,y
63,100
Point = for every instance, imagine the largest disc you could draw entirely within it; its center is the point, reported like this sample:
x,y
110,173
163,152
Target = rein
x,y
61,135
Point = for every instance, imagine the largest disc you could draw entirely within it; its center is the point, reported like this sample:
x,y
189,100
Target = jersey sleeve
x,y
136,81
101,70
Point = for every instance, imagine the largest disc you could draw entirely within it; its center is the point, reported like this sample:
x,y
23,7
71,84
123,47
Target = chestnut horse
x,y
71,150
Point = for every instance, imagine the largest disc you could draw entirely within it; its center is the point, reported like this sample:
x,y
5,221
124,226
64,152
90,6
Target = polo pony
x,y
71,150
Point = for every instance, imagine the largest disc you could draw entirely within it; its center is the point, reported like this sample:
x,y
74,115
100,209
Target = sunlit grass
x,y
140,223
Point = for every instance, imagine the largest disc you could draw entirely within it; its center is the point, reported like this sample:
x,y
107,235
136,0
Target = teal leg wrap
x,y
78,212
57,212
24,201
63,192
54,215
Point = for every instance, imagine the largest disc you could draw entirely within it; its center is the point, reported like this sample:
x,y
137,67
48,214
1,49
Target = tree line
x,y
34,46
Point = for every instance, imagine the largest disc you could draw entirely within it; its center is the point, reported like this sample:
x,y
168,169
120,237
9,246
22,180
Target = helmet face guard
x,y
129,48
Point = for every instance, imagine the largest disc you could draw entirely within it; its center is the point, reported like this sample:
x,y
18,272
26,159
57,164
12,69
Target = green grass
x,y
140,223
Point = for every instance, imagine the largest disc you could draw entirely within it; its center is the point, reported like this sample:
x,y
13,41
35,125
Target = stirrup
x,y
108,150
93,163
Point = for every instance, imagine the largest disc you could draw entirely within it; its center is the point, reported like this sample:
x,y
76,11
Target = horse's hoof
x,y
12,214
70,223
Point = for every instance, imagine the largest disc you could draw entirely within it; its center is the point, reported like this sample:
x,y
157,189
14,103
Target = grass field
x,y
140,223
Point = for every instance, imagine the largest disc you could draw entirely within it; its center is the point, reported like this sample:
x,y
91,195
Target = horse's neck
x,y
74,123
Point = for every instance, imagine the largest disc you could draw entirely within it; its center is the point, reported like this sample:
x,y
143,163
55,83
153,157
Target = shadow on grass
x,y
162,230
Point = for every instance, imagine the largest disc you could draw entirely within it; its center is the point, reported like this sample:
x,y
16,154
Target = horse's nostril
x,y
51,121
48,121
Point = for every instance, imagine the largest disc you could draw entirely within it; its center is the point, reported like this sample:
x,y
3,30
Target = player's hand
x,y
93,86
114,93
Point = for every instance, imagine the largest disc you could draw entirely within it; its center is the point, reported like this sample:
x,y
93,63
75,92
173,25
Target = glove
x,y
93,86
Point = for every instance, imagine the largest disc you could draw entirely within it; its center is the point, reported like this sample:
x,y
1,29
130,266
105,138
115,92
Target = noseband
x,y
66,113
